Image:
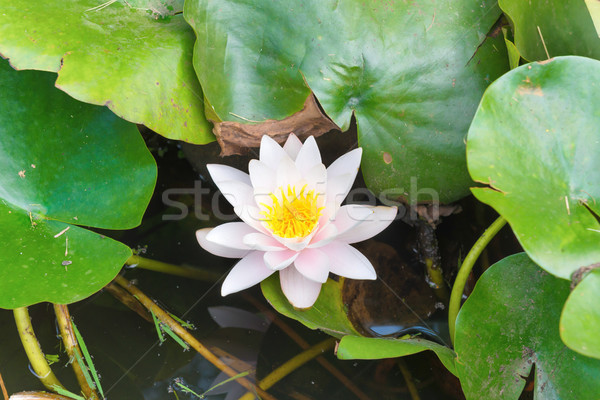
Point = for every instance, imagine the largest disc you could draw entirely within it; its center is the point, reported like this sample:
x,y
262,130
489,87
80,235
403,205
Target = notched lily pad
x,y
535,140
129,56
63,163
508,326
411,72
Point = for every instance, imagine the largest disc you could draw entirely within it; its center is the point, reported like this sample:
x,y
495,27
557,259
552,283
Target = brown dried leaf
x,y
237,138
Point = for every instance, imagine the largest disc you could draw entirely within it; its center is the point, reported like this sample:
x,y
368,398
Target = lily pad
x,y
552,28
580,319
134,58
63,163
327,314
353,347
535,142
411,72
509,325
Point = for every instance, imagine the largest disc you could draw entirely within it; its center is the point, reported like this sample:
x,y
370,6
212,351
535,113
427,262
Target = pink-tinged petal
x,y
231,235
249,271
346,261
324,236
348,163
262,176
296,244
277,260
309,155
262,242
217,249
236,193
313,264
271,152
380,219
351,216
287,173
292,146
300,291
221,173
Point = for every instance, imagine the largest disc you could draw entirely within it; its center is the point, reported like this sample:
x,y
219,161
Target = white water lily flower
x,y
292,220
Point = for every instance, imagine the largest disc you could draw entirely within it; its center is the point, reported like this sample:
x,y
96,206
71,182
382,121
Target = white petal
x,y
300,291
277,260
262,242
316,178
231,235
309,155
247,272
346,261
221,173
313,264
216,249
292,146
324,236
351,215
296,244
271,153
236,193
348,163
250,214
287,173
337,190
262,176
341,175
380,218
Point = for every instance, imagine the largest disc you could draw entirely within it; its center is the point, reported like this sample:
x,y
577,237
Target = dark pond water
x,y
133,365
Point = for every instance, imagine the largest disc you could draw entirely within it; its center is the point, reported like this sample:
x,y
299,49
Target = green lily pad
x,y
327,314
535,142
135,59
411,72
353,347
560,27
508,325
63,163
580,319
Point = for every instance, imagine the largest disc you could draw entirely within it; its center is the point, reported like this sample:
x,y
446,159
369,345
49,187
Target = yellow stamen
x,y
294,215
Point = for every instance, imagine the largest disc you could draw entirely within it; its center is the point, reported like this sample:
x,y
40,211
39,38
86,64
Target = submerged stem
x,y
36,357
186,272
465,270
180,331
63,319
291,365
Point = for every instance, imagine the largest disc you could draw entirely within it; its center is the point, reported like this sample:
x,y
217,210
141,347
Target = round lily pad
x,y
535,142
508,329
133,56
63,163
580,319
411,72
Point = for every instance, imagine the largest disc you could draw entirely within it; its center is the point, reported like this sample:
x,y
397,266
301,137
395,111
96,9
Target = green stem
x,y
465,270
165,268
291,365
33,350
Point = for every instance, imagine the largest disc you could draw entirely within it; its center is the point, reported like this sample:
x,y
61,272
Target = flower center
x,y
294,215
